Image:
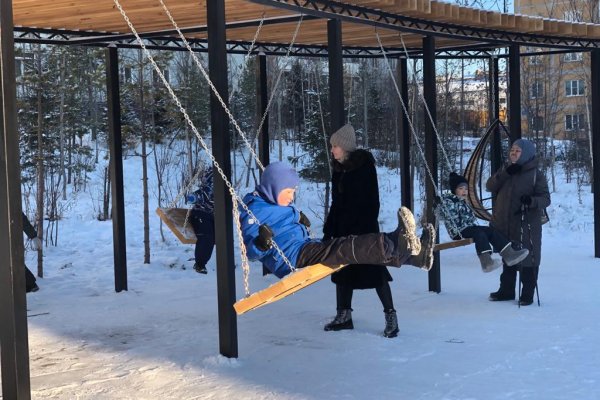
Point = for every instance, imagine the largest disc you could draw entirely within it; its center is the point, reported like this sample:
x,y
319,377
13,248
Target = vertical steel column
x,y
14,346
262,99
431,149
336,73
514,92
595,70
217,62
496,147
115,145
406,187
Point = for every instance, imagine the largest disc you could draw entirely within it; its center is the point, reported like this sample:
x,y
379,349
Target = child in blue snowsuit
x,y
278,220
203,221
461,222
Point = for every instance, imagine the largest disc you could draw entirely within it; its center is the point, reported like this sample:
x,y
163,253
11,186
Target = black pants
x,y
204,227
344,296
29,279
484,236
508,280
371,248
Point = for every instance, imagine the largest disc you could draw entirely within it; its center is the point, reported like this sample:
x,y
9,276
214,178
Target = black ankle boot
x,y
342,320
502,295
391,324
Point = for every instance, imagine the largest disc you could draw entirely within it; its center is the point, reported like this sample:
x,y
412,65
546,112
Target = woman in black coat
x,y
354,211
521,195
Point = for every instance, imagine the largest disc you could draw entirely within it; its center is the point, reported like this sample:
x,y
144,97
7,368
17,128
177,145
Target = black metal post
x,y
262,99
595,70
217,62
115,144
336,73
406,187
514,92
14,346
431,148
496,148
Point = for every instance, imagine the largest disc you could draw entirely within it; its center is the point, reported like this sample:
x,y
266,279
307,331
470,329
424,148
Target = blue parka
x,y
289,234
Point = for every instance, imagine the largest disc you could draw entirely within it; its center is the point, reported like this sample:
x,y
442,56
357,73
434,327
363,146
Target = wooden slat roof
x,y
102,16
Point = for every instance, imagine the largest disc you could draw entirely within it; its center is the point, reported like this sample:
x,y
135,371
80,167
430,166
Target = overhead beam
x,y
382,19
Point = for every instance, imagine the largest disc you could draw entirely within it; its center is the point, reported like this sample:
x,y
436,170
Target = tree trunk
x,y
144,162
40,174
62,128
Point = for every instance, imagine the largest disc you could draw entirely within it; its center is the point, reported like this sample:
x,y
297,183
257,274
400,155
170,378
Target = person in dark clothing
x,y
460,221
273,219
521,193
36,244
203,221
354,211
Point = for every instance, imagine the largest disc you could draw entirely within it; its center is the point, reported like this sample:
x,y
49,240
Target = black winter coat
x,y
507,215
354,211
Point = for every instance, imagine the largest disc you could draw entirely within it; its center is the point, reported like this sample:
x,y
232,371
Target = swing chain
x,y
412,127
193,127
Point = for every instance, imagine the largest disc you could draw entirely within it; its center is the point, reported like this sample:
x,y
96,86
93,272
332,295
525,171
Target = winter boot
x,y
391,324
511,256
488,264
343,320
201,269
501,295
424,259
406,219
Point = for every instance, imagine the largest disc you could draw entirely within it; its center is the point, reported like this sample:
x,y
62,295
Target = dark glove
x,y
526,200
513,169
304,220
264,241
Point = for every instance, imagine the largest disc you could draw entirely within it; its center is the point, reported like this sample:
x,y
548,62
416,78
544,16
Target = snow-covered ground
x,y
159,340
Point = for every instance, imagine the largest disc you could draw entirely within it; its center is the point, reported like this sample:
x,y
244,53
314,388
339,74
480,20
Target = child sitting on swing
x,y
461,223
280,222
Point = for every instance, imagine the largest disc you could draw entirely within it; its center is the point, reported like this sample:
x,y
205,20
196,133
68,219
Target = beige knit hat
x,y
344,138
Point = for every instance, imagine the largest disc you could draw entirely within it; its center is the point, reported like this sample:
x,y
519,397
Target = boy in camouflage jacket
x,y
461,223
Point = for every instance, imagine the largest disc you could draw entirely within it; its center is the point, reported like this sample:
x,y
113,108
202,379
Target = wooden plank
x,y
452,244
288,285
174,218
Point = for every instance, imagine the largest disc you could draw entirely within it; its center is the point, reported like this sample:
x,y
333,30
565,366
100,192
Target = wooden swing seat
x,y
288,285
174,218
452,244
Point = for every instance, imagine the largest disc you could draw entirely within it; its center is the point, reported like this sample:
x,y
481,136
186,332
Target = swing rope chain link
x,y
232,119
203,143
413,131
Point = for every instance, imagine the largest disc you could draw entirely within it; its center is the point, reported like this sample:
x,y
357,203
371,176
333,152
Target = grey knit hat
x,y
344,138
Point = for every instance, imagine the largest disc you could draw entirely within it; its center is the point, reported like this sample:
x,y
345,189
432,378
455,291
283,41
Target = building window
x,y
537,123
537,90
574,122
536,60
574,88
570,57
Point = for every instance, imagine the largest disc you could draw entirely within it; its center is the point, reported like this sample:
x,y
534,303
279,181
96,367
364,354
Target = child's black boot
x,y
391,324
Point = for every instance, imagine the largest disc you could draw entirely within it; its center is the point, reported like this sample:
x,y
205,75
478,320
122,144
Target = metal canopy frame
x,y
383,19
479,42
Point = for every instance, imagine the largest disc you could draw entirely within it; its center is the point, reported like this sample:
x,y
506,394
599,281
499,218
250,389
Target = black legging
x,y
344,296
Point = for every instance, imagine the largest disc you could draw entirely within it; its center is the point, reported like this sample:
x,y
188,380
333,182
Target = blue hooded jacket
x,y
289,234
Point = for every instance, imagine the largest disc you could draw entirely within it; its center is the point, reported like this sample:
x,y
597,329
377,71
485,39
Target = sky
x,y
159,339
